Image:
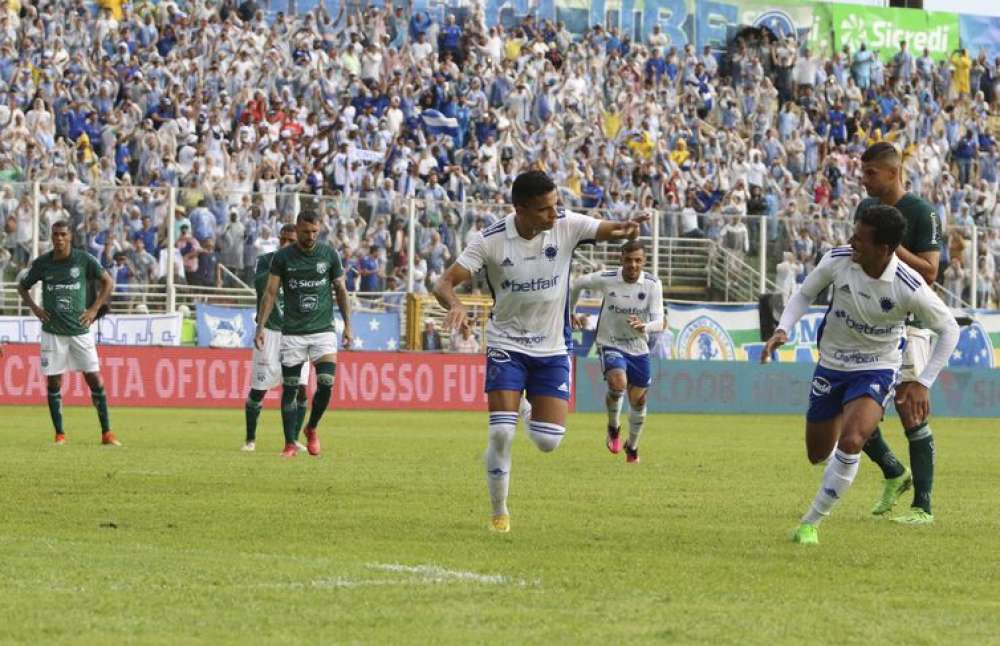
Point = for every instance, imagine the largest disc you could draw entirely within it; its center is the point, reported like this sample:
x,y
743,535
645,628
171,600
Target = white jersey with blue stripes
x,y
865,325
530,281
621,300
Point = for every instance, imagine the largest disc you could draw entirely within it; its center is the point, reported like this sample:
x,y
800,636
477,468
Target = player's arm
x,y
924,263
344,304
266,305
33,276
913,400
609,230
797,306
472,259
657,321
103,294
590,281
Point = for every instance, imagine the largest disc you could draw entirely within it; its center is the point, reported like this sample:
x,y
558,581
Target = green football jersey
x,y
64,289
306,280
923,231
261,274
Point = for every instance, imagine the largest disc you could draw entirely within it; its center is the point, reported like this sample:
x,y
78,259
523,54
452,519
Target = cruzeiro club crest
x,y
321,267
74,272
779,22
551,252
704,339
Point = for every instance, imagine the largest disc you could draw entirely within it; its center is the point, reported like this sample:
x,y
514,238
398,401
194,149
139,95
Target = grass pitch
x,y
180,538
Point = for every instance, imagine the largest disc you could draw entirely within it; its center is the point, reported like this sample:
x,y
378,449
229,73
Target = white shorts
x,y
302,348
267,363
61,353
915,354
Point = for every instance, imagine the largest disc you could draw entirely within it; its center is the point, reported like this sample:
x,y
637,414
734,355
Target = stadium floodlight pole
x,y
656,244
974,283
411,246
762,256
171,243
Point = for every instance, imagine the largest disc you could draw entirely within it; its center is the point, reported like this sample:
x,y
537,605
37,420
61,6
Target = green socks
x,y
301,414
324,389
253,406
55,409
880,453
100,400
922,463
289,405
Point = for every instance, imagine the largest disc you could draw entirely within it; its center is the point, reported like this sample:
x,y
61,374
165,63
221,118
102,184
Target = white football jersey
x,y
864,327
530,281
621,300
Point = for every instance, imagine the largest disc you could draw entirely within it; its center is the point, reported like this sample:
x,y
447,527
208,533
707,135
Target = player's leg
x,y
639,380
548,386
897,476
54,354
613,365
251,409
294,352
83,357
918,435
266,364
323,354
506,376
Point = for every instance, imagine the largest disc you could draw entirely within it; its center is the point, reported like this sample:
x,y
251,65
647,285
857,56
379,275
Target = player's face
x,y
287,238
632,264
862,242
306,233
60,240
878,179
540,211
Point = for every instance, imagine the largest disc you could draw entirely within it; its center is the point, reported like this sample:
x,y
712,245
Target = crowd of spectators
x,y
254,117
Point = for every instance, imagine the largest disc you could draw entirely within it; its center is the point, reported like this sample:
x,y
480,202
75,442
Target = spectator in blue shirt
x,y
369,270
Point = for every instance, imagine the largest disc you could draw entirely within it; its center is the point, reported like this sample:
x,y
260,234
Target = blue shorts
x,y
832,389
636,366
546,376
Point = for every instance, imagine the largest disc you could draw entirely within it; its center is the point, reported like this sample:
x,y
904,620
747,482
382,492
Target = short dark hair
x,y
633,245
307,216
882,152
288,227
887,223
60,224
530,185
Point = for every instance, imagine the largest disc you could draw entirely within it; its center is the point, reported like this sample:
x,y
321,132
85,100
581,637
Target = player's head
x,y
534,197
877,233
633,260
288,234
881,169
307,230
60,237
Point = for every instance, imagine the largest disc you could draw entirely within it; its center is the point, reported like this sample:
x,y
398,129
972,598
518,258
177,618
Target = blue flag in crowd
x,y
436,123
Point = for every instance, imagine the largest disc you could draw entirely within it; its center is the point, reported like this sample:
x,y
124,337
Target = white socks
x,y
636,418
546,436
501,437
613,401
837,478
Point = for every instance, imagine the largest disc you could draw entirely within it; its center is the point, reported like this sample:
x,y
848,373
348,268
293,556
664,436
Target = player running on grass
x,y
307,273
267,362
631,308
67,343
882,176
860,350
527,258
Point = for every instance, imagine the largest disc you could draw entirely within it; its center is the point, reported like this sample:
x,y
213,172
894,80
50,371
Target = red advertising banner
x,y
204,377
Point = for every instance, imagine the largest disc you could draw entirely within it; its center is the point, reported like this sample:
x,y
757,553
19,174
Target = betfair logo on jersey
x,y
534,285
627,311
866,328
306,284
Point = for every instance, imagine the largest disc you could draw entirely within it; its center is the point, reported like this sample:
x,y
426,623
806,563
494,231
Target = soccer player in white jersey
x,y
860,345
631,308
527,258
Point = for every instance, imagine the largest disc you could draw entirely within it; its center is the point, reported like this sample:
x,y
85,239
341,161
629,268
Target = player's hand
x,y
88,316
913,401
346,337
258,339
778,339
632,227
42,315
579,321
455,316
636,324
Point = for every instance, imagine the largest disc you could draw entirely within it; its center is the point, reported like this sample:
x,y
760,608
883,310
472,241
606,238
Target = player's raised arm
x,y
266,305
609,230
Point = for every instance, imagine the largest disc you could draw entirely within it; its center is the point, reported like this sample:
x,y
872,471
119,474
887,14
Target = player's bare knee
x,y
851,441
545,435
616,392
638,401
93,380
54,382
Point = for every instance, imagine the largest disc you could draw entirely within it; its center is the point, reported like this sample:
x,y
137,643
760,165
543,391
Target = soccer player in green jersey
x,y
67,342
882,176
307,273
267,362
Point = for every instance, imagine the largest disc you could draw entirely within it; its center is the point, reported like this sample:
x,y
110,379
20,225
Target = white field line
x,y
438,574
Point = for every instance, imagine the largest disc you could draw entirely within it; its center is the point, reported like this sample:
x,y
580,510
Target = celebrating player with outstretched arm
x,y
527,258
67,342
307,272
860,342
631,308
